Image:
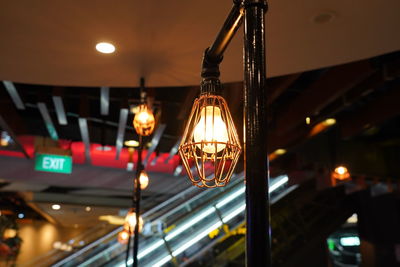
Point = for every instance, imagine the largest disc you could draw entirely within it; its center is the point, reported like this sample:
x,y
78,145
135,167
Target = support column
x,y
258,234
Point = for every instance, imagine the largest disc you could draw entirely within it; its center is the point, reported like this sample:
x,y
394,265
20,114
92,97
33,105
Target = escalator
x,y
182,231
301,222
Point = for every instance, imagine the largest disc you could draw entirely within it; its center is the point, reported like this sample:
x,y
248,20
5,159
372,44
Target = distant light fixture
x,y
341,173
353,218
88,208
329,121
105,48
123,237
349,241
144,180
130,222
5,139
55,207
322,126
308,120
144,121
280,151
21,215
131,143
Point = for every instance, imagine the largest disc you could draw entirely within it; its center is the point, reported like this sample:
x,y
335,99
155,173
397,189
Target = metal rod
x,y
225,35
214,54
128,247
258,234
137,197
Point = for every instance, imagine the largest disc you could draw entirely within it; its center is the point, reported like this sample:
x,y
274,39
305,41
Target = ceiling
x,y
52,43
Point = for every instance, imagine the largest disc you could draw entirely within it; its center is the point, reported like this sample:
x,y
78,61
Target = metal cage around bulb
x,y
210,146
144,121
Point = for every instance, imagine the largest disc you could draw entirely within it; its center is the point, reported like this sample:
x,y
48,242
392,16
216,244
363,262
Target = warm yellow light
x,y
105,48
280,151
55,207
341,170
308,120
144,121
210,129
341,173
329,122
88,208
131,143
9,233
130,222
123,237
144,180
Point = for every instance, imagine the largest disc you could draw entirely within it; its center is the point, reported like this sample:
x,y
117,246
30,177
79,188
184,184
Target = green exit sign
x,y
53,163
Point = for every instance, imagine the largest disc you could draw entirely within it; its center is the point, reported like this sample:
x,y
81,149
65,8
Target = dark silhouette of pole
x,y
258,235
137,198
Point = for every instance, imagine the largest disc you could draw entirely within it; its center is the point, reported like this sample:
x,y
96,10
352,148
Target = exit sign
x,y
53,163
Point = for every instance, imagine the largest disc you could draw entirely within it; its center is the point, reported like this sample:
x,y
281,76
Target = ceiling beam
x,y
47,120
332,84
123,118
12,91
382,108
104,100
83,127
60,111
173,151
154,142
276,86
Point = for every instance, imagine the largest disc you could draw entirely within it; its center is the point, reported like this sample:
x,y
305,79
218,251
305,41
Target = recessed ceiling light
x,y
88,208
105,48
55,207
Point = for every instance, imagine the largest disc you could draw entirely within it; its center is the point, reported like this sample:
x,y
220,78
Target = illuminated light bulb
x,y
211,128
56,207
144,121
341,173
144,180
105,48
123,237
329,122
130,222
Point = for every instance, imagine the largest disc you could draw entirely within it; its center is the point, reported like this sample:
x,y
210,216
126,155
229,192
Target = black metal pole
x,y
137,202
258,234
228,30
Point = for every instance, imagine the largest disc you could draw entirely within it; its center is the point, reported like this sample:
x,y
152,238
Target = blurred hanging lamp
x,y
144,121
123,237
143,180
130,222
340,173
210,142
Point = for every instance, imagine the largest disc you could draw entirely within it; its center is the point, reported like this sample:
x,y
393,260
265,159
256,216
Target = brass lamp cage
x,y
210,143
144,121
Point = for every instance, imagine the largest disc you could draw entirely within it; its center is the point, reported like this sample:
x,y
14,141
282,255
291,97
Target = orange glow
x,y
341,173
144,121
123,237
130,222
144,180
